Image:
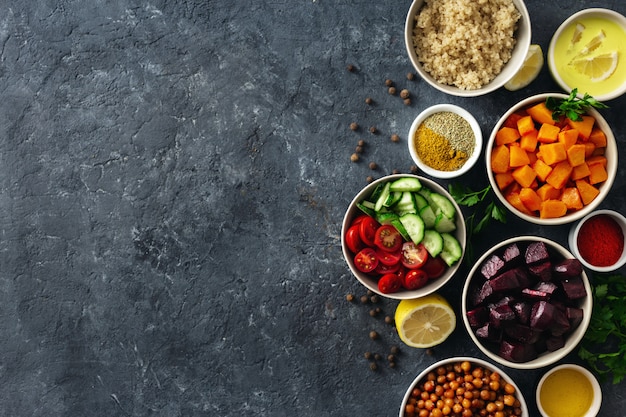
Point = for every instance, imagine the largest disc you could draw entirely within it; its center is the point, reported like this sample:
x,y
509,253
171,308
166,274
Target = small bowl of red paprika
x,y
598,240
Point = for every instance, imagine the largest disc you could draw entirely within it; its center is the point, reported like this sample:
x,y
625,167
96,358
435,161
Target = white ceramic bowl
x,y
594,408
523,38
370,281
474,361
543,359
611,154
575,231
471,161
558,71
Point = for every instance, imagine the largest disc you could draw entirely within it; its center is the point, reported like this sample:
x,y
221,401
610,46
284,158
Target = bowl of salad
x,y
403,236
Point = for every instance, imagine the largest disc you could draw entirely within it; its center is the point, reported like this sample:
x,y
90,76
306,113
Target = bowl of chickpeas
x,y
463,386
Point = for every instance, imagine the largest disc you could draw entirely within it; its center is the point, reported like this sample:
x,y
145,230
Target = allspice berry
x,y
354,126
395,171
392,91
405,93
361,142
365,299
350,297
388,82
414,169
395,138
410,76
369,179
407,101
354,157
373,129
374,335
373,366
358,149
350,68
369,100
373,165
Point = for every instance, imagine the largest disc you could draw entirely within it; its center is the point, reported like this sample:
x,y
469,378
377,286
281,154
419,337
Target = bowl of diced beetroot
x,y
527,302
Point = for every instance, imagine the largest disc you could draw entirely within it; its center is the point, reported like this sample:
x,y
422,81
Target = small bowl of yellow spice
x,y
445,141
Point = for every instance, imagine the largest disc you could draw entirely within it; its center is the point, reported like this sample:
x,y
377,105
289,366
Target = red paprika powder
x,y
601,240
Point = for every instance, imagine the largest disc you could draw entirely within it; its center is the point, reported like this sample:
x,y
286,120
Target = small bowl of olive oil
x,y
569,390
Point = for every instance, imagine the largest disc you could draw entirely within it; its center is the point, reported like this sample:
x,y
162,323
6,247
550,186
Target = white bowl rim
x,y
611,170
594,408
573,339
593,11
478,136
432,286
481,362
573,238
515,62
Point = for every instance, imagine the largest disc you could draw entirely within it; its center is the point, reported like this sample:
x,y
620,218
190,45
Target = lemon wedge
x,y
593,44
424,322
598,67
577,35
529,71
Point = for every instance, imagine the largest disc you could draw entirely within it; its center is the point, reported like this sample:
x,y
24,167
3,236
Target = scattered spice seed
x,y
414,169
364,299
369,179
392,91
350,68
388,82
429,352
392,364
374,335
358,149
369,100
374,298
361,142
395,171
410,76
373,165
373,313
373,129
395,350
350,297
377,356
407,101
391,358
354,157
395,138
368,355
405,93
388,319
354,126
373,366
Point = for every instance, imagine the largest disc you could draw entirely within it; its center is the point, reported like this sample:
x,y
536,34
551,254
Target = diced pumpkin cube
x,y
511,121
506,135
596,159
548,192
584,126
540,113
580,171
590,148
528,142
514,200
542,169
597,137
576,154
500,159
568,137
548,133
587,191
597,173
551,209
560,175
526,125
524,175
552,153
517,157
531,200
571,197
504,179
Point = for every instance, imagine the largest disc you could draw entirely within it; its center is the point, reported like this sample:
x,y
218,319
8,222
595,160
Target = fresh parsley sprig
x,y
604,344
485,210
572,107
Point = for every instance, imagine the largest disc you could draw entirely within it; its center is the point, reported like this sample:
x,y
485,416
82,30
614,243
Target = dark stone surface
x,y
173,177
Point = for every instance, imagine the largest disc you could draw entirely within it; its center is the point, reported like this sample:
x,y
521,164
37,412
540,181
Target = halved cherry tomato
x,y
389,283
414,279
367,229
388,238
434,267
366,260
353,239
383,269
358,219
414,256
389,258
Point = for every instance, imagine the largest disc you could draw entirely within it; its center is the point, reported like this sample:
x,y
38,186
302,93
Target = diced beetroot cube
x,y
574,288
522,311
523,277
501,314
542,315
568,268
489,333
547,287
560,323
481,294
517,352
522,333
477,317
536,295
502,301
536,252
575,316
505,281
555,343
492,267
542,270
512,255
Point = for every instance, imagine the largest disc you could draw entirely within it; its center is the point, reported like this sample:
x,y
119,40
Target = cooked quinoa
x,y
465,43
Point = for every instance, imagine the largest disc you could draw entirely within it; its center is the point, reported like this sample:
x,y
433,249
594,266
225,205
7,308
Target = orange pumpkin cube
x,y
530,199
568,137
548,192
590,148
587,191
576,154
504,179
506,135
528,142
514,200
542,169
560,175
584,126
500,159
552,153
551,209
524,175
540,113
571,197
548,133
597,137
526,125
580,171
597,174
597,159
517,157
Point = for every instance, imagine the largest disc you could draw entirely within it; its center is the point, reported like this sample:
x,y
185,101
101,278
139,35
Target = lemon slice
x,y
529,71
424,322
599,67
577,35
593,44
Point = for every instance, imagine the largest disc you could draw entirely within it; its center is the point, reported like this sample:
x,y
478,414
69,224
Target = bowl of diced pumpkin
x,y
549,164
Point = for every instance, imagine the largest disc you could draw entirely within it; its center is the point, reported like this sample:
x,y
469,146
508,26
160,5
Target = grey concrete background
x,y
173,177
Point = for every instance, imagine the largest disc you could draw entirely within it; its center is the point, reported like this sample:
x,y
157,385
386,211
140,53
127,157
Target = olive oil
x,y
566,393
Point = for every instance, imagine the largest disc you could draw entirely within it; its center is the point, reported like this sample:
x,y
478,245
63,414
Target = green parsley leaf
x,y
572,107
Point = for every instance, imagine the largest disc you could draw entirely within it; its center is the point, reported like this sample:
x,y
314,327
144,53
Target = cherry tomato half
x,y
388,238
414,279
366,260
358,219
383,269
389,258
353,239
414,256
435,267
389,283
367,229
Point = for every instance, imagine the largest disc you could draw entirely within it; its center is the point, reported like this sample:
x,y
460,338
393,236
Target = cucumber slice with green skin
x,y
376,193
428,215
444,225
443,204
382,198
406,184
394,197
414,226
420,201
433,242
400,228
366,209
385,217
452,250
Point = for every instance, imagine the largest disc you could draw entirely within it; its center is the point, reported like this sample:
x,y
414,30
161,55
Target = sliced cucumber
x,y
385,217
444,225
428,215
452,250
406,184
394,197
382,198
406,204
420,201
414,226
433,242
443,204
376,192
400,228
366,209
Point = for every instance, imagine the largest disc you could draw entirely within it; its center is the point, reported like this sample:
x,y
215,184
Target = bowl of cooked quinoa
x,y
445,141
467,48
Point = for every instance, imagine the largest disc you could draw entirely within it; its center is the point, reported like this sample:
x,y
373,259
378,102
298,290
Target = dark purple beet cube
x,y
481,294
512,255
517,352
522,333
522,311
542,270
575,316
560,323
535,295
505,281
502,301
542,315
523,277
554,343
477,317
501,314
536,252
547,287
568,268
489,333
574,288
492,267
